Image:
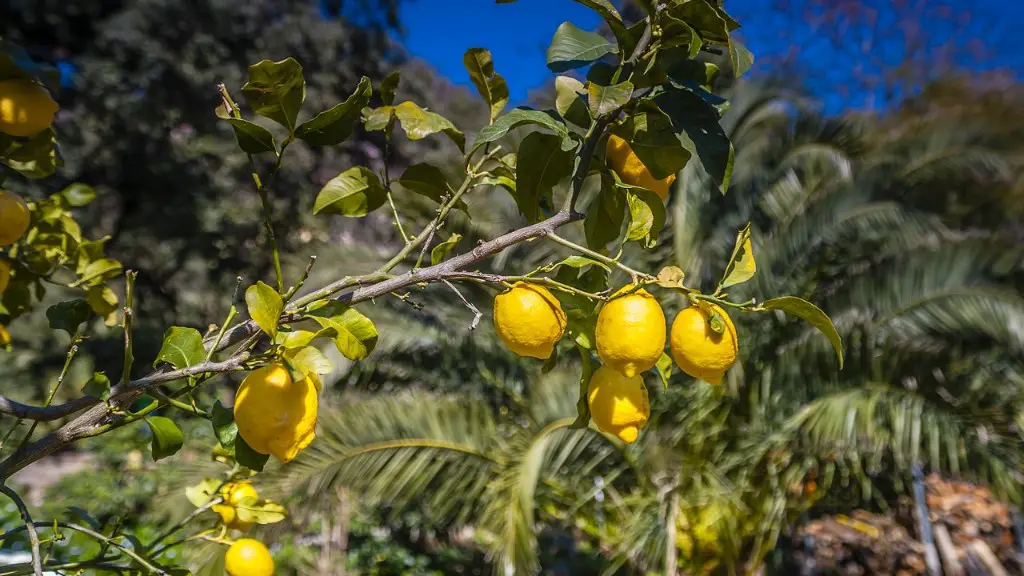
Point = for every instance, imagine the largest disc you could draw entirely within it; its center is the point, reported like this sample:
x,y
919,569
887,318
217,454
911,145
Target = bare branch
x,y
476,311
30,527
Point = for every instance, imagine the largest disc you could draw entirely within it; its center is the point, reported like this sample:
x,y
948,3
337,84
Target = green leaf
x,y
441,251
311,360
520,116
741,265
551,362
181,348
98,386
574,48
252,137
582,405
742,59
167,437
246,456
541,165
803,309
101,270
354,335
417,122
426,180
336,124
569,101
265,307
276,90
353,193
224,427
85,517
646,216
652,138
703,17
253,511
78,195
611,17
605,215
577,262
693,73
35,158
388,87
68,316
664,367
291,339
103,302
489,84
696,123
202,492
604,100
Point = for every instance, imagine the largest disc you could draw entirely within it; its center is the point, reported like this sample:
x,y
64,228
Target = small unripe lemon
x,y
630,332
26,108
529,320
14,218
5,275
274,414
618,405
698,349
234,493
248,557
632,171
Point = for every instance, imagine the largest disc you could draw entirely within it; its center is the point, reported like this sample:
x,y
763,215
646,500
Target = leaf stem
x,y
635,274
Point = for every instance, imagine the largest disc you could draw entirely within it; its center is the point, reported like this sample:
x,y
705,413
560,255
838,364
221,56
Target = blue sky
x,y
517,34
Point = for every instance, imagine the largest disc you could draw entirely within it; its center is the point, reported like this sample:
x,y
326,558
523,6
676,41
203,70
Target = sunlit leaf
x,y
489,84
741,265
417,122
353,193
181,348
335,125
574,48
441,251
265,307
569,100
353,333
276,90
519,117
98,386
803,309
604,100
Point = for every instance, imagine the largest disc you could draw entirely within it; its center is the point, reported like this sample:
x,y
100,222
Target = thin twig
x,y
635,274
476,311
209,504
30,527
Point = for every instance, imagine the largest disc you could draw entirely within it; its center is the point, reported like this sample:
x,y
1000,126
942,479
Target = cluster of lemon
x,y
630,338
246,556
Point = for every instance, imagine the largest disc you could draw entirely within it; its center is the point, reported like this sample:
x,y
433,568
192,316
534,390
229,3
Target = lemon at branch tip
x,y
529,320
697,349
26,108
618,404
248,557
630,332
632,170
14,218
276,415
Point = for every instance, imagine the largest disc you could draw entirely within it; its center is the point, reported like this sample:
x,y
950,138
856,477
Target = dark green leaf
x,y
551,362
98,386
582,403
354,335
569,101
167,437
696,124
520,116
276,90
604,100
741,265
441,251
611,17
246,456
542,164
388,87
181,348
252,137
703,17
417,122
693,73
68,316
223,420
489,84
803,309
652,138
742,59
605,215
78,195
37,157
335,125
265,307
425,179
573,48
85,517
675,33
355,192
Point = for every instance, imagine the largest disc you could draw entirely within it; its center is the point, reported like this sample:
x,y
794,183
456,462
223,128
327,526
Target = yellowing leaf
x,y
741,266
265,306
201,493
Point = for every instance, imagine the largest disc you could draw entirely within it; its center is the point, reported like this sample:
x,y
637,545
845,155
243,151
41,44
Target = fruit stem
x,y
747,306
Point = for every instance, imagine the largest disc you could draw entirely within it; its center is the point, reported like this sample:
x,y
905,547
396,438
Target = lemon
x,y
5,336
234,493
630,332
529,320
25,108
248,557
700,351
274,414
632,171
618,404
14,218
5,275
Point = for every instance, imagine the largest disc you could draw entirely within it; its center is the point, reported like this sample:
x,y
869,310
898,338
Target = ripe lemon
x,y
234,493
5,275
274,414
700,351
632,171
630,332
5,336
248,557
529,320
14,218
618,405
25,108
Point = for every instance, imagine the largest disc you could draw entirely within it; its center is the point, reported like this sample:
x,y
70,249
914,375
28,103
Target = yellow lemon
x,y
26,108
274,414
632,171
248,557
618,405
700,351
5,275
529,320
5,336
234,493
630,332
14,218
